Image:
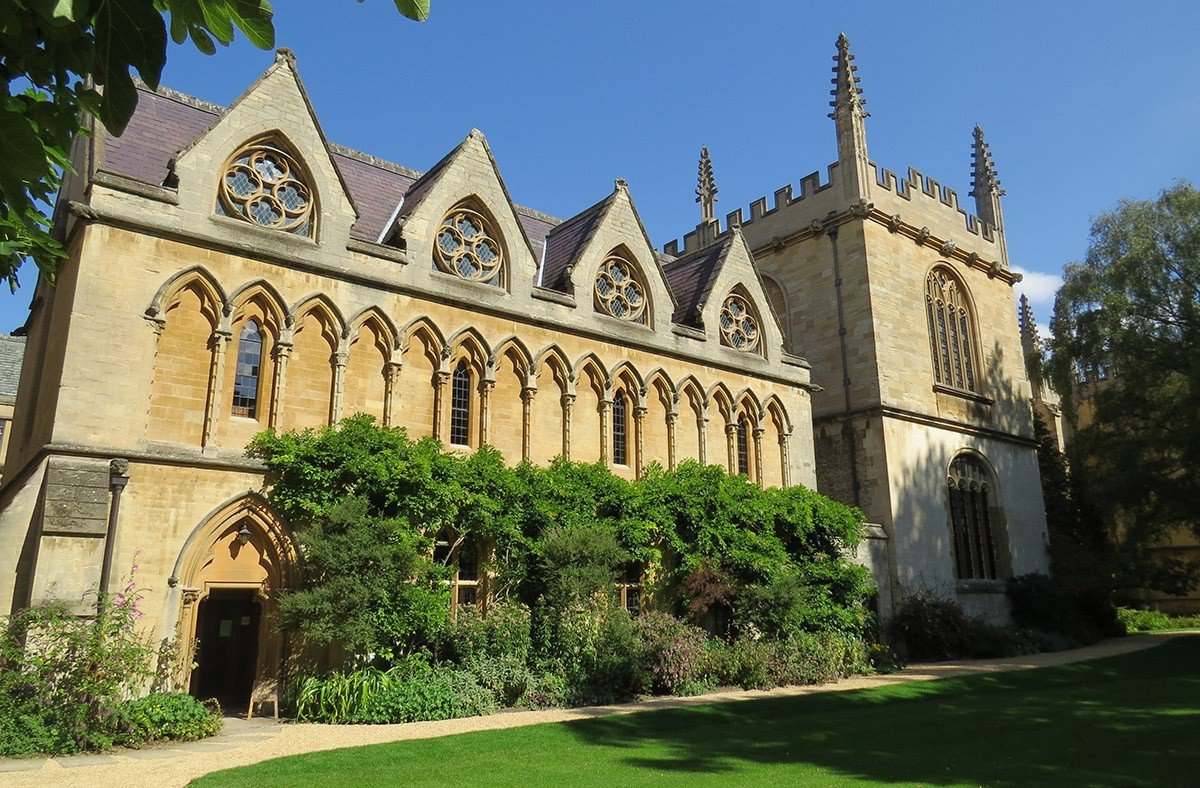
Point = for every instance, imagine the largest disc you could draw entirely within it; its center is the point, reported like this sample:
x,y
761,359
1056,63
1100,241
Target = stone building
x,y
230,270
12,350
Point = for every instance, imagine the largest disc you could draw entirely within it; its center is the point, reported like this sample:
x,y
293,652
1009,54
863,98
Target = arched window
x,y
266,186
460,405
972,529
245,381
743,447
951,330
778,301
620,433
740,328
619,292
468,247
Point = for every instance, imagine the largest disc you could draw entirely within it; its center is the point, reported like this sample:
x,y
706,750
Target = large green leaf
x,y
254,19
21,149
414,9
128,33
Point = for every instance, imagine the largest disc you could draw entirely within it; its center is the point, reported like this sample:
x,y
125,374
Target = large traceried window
x,y
620,431
246,378
460,405
467,246
972,528
951,330
264,185
619,291
740,328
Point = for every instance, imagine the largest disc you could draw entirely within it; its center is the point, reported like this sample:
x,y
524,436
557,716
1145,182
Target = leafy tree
x,y
62,59
365,583
1126,344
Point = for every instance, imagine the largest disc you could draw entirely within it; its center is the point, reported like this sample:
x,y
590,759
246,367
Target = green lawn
x,y
1130,720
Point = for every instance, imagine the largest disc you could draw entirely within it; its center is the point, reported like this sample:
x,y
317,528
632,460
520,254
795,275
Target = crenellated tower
x,y
849,118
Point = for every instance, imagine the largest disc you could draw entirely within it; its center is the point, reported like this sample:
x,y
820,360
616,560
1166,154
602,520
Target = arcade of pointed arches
x,y
228,366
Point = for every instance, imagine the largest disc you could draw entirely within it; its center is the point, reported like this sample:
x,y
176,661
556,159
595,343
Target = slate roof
x,y
691,277
166,121
12,352
565,242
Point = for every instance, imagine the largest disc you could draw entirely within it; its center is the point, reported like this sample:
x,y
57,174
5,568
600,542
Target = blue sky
x,y
1084,103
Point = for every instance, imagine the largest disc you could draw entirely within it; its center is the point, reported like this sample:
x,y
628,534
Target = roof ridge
x,y
353,153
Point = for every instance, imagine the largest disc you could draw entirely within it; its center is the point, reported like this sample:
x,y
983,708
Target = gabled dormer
x,y
457,221
604,259
265,166
720,292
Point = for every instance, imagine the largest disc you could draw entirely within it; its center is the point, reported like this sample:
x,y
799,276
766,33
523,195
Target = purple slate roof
x,y
165,122
690,278
565,242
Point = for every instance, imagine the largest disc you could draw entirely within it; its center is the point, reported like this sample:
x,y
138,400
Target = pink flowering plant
x,y
68,675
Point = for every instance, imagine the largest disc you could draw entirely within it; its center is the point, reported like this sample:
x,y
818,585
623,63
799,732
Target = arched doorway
x,y
230,572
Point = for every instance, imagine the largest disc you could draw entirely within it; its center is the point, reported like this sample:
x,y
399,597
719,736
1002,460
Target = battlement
x,y
920,188
810,185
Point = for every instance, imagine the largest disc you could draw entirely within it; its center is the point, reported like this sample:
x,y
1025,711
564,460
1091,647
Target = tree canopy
x,y
1126,358
62,60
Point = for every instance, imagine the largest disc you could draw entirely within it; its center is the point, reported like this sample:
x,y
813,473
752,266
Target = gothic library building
x,y
230,270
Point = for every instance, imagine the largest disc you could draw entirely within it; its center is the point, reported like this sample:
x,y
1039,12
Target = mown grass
x,y
1128,720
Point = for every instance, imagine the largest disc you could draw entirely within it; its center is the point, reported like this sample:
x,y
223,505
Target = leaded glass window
x,y
619,430
619,292
739,327
743,448
972,530
460,405
245,380
951,328
265,186
466,246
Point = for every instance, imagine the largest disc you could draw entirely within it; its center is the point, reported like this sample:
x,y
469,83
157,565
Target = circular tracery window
x,y
739,327
263,185
618,292
465,247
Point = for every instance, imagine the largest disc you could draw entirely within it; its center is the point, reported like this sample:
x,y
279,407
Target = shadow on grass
x,y
1128,720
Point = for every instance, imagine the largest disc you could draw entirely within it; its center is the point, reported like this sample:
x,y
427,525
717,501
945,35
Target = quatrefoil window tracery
x,y
265,186
618,291
739,326
466,247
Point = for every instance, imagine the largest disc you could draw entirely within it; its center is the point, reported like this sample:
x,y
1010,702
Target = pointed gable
x,y
469,173
276,107
690,278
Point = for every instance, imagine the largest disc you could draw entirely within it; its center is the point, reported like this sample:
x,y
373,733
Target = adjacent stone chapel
x,y
230,269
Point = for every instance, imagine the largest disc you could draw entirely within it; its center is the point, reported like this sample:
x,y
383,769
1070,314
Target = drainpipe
x,y
118,478
847,428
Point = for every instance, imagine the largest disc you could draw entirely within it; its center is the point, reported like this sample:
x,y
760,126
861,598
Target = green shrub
x,y
596,649
65,680
545,690
815,658
1136,620
439,695
672,654
507,678
1079,611
166,717
504,633
337,697
927,626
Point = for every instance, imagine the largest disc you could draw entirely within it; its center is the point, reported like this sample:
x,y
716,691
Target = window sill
x,y
981,587
963,394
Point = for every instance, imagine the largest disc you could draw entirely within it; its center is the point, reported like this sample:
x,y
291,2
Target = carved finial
x,y
983,169
621,183
985,187
846,91
285,54
849,119
706,189
1026,321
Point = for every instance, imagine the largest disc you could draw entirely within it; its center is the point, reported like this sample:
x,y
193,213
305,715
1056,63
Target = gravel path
x,y
244,742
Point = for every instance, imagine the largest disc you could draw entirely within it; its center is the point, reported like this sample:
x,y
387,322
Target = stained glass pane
x,y
620,442
460,405
245,381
